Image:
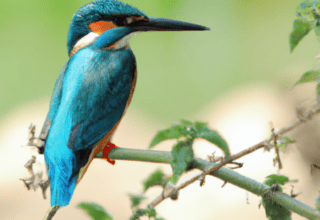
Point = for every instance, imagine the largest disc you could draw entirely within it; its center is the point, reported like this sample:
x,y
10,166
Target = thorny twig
x,y
312,111
36,178
314,166
275,137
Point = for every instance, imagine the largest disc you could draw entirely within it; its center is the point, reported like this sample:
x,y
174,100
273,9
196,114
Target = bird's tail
x,y
61,186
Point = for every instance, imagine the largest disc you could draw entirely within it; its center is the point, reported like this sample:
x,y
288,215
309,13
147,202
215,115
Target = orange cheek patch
x,y
101,26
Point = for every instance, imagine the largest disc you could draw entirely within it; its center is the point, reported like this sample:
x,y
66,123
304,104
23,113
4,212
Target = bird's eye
x,y
129,21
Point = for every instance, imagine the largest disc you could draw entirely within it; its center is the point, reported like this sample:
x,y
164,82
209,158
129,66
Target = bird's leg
x,y
105,152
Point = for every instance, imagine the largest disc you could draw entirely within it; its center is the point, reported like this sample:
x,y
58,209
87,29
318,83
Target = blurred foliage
x,y
138,212
308,14
157,178
150,212
308,19
283,142
95,211
309,76
135,200
317,202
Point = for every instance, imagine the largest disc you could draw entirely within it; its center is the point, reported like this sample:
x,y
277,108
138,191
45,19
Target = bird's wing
x,y
101,98
54,105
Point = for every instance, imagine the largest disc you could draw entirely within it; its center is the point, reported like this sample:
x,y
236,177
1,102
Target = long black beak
x,y
165,24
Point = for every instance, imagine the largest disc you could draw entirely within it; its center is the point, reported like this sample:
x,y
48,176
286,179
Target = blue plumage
x,y
96,87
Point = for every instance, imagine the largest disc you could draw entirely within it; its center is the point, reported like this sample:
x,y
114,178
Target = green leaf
x,y
280,179
310,76
136,199
283,143
157,178
269,182
317,32
95,211
317,202
273,210
174,132
318,90
186,122
138,213
212,136
182,156
300,29
150,212
306,11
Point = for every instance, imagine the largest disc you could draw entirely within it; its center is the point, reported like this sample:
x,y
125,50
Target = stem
x,y
139,155
52,211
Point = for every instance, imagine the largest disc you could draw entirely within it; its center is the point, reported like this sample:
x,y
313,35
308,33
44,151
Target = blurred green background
x,y
179,75
178,72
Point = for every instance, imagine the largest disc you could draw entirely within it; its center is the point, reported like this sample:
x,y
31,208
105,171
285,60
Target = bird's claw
x,y
106,150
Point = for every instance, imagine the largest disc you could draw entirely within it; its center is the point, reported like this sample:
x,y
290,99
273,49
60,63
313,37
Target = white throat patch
x,y
124,42
92,37
84,41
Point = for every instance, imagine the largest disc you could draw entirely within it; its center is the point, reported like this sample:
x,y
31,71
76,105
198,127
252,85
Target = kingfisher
x,y
94,89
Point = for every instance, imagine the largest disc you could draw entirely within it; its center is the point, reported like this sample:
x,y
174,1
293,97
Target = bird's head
x,y
100,16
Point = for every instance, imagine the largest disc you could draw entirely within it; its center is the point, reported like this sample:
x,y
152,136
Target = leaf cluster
x,y
182,152
307,19
273,210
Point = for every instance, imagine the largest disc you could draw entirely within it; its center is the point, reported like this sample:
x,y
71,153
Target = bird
x,y
94,89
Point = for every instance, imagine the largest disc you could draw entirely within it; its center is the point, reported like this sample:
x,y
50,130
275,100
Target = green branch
x,y
223,173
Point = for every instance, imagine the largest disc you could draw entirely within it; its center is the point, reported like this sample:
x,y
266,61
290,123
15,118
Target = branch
x,y
224,174
259,189
300,119
209,169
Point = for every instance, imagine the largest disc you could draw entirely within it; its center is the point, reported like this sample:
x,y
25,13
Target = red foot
x,y
106,150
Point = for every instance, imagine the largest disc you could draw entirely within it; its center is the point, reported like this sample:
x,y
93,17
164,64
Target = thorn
x,y
28,182
314,166
224,184
238,165
44,186
292,194
29,164
260,203
202,181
